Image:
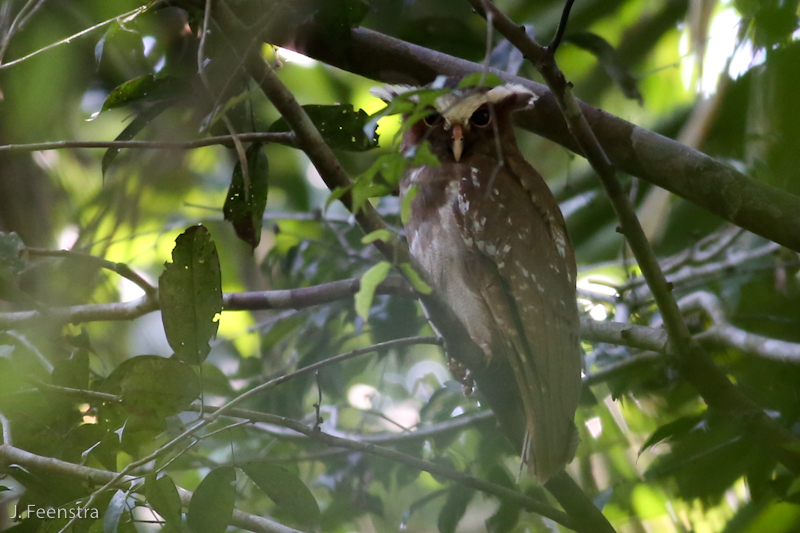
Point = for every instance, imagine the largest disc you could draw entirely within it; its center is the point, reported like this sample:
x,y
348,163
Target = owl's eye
x,y
433,118
481,117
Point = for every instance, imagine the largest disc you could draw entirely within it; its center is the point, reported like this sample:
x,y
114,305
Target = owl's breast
x,y
436,242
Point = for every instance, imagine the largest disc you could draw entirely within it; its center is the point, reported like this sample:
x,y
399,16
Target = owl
x,y
490,236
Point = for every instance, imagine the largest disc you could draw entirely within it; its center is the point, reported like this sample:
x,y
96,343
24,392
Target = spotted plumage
x,y
490,236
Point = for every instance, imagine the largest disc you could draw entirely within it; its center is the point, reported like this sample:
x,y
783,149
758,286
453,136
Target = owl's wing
x,y
526,264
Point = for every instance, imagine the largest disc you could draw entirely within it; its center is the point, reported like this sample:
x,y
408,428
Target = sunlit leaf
x,y
405,208
383,235
480,79
369,283
414,278
341,126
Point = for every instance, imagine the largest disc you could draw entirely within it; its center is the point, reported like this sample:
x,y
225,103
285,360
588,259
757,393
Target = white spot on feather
x,y
561,241
475,182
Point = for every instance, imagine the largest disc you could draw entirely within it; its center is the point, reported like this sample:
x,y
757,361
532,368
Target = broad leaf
x,y
610,61
114,512
341,126
212,504
245,203
190,292
154,386
454,508
286,490
164,499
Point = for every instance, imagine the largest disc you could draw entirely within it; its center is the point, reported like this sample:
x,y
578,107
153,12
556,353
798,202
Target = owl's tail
x,y
543,461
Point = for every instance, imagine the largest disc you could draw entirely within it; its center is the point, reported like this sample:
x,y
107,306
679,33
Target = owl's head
x,y
459,119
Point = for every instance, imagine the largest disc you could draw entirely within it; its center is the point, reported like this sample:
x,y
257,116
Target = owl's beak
x,y
458,141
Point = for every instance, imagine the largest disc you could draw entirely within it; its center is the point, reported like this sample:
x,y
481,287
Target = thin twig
x,y
7,440
81,33
120,268
562,27
201,69
27,11
284,138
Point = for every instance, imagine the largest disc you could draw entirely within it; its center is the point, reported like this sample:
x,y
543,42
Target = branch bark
x,y
689,173
47,465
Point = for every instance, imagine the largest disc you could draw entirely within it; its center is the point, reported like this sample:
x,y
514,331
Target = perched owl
x,y
492,240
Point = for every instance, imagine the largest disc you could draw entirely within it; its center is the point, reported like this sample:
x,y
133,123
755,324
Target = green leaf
x,y
190,291
678,427
610,61
341,126
154,386
369,282
245,203
414,278
454,508
11,264
114,512
794,488
73,372
480,79
163,497
383,235
147,87
507,514
131,130
336,194
286,490
212,504
405,207
421,155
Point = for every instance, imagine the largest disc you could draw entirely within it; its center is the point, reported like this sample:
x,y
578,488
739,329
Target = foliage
x,y
109,387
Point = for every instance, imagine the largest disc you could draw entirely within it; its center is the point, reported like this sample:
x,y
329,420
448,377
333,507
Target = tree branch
x,y
459,477
711,184
284,138
47,465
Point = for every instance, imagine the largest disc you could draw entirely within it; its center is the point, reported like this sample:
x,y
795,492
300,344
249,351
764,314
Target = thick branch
x,y
755,206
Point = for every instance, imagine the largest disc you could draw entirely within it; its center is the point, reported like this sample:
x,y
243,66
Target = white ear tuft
x,y
522,96
387,93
